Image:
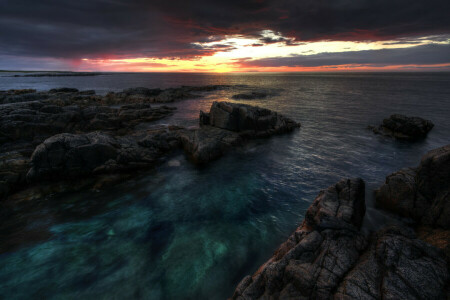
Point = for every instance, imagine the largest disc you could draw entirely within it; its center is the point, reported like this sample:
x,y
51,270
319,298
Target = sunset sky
x,y
225,36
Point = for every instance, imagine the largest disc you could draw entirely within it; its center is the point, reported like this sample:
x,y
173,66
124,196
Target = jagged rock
x,y
253,120
328,257
423,193
403,127
397,265
73,155
315,258
36,121
228,125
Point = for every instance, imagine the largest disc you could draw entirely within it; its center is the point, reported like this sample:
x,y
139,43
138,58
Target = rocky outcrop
x,y
404,128
328,256
70,96
230,124
35,121
208,143
13,169
251,120
421,193
141,94
75,155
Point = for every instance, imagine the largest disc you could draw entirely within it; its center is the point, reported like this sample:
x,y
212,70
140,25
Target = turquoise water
x,y
182,232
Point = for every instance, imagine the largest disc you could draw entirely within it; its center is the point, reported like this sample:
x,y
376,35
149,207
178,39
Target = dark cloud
x,y
119,28
421,55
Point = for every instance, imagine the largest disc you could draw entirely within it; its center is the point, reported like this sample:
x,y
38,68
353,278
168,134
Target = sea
x,y
185,232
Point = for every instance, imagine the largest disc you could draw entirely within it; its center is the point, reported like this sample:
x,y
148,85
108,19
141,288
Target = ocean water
x,y
183,232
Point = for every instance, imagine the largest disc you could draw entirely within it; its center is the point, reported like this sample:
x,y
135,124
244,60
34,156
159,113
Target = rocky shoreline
x,y
64,134
330,256
64,140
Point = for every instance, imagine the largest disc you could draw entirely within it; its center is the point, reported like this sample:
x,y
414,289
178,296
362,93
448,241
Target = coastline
x,y
134,107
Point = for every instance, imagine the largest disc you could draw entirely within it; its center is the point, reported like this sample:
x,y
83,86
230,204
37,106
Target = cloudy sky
x,y
225,36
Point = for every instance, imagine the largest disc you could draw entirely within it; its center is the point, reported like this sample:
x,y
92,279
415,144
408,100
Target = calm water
x,y
181,232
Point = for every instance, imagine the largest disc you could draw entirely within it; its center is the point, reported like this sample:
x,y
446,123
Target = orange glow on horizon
x,y
240,51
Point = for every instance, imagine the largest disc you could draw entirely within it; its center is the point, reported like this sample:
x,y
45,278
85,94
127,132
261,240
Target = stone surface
x,y
35,121
253,120
422,193
230,124
13,169
75,155
329,257
208,143
404,128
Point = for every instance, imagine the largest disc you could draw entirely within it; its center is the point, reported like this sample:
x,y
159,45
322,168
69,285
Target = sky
x,y
225,36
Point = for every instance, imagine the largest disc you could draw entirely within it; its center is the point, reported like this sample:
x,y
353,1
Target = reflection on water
x,y
193,233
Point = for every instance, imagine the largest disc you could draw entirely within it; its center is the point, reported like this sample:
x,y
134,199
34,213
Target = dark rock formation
x,y
329,257
397,265
69,134
13,169
35,121
421,193
208,143
253,120
250,96
63,90
404,128
74,155
141,94
229,124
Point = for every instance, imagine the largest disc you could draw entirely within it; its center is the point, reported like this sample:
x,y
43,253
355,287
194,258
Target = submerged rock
x,y
329,257
250,96
403,127
63,90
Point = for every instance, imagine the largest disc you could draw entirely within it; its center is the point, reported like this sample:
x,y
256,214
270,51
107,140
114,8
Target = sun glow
x,y
230,51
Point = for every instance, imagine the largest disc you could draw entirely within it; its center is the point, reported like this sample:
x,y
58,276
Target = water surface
x,y
182,232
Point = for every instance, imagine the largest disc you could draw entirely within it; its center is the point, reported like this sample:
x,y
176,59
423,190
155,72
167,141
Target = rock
x,y
315,258
422,193
228,125
63,90
250,96
208,143
328,257
36,121
403,127
13,170
204,118
66,156
142,91
72,155
253,120
396,266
